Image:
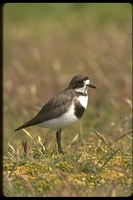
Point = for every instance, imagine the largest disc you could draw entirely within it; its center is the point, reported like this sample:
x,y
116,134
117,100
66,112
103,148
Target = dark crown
x,y
78,81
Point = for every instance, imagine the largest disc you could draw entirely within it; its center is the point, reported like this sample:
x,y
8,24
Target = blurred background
x,y
46,44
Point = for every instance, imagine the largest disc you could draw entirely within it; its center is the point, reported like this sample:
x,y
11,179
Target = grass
x,y
82,171
45,45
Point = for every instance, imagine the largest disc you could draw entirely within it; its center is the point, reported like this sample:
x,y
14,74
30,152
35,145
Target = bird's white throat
x,y
83,100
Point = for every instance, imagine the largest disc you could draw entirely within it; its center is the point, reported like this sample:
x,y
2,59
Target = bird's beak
x,y
92,86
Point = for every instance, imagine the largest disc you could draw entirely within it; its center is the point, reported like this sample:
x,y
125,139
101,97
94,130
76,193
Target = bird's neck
x,y
81,91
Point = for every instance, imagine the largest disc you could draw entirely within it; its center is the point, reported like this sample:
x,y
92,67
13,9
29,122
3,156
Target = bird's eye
x,y
80,83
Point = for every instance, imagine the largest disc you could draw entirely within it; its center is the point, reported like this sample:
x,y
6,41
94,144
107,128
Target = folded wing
x,y
53,109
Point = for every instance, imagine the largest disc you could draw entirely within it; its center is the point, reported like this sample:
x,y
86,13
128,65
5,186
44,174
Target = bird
x,y
64,109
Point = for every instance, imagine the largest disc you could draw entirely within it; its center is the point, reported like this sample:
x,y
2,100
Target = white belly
x,y
67,118
63,121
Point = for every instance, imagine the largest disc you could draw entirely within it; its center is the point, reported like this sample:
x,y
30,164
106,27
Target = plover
x,y
63,109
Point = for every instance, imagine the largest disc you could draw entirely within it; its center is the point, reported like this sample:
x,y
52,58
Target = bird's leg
x,y
58,137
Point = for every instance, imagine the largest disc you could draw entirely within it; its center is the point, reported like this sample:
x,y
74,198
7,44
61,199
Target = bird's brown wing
x,y
53,109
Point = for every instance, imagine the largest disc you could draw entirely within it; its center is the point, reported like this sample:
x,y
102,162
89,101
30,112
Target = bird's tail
x,y
32,122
